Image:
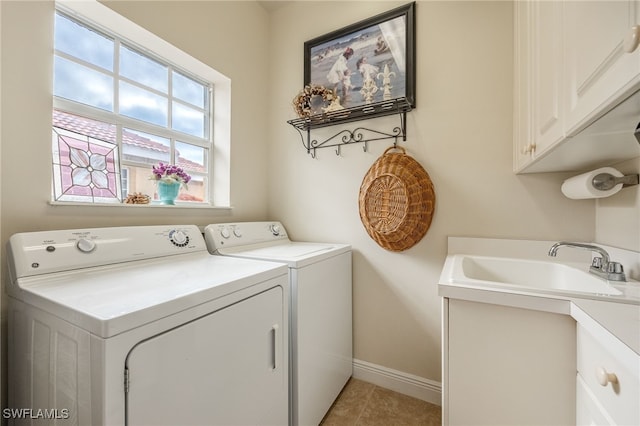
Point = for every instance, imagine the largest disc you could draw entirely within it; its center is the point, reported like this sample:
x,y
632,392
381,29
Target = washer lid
x,y
295,254
109,300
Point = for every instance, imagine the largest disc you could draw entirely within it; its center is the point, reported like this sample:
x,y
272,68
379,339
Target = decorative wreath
x,y
302,102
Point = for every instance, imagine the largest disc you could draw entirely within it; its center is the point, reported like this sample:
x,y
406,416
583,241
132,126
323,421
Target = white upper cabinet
x,y
523,92
599,68
539,100
548,77
574,62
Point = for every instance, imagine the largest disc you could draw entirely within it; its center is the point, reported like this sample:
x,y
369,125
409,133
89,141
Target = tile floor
x,y
361,403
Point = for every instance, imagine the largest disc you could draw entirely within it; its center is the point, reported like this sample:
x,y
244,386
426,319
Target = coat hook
x,y
365,146
339,150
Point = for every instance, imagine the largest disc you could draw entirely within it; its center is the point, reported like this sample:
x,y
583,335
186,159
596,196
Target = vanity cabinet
x,y
574,61
506,365
608,380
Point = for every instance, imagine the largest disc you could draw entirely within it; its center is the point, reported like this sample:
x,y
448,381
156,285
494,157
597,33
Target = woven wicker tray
x,y
397,201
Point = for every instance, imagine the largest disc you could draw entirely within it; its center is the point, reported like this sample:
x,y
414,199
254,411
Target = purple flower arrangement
x,y
170,173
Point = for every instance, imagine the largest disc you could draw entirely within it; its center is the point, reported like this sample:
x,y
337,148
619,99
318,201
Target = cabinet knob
x,y
632,39
605,377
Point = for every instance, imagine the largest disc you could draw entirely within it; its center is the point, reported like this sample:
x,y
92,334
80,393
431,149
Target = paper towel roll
x,y
581,186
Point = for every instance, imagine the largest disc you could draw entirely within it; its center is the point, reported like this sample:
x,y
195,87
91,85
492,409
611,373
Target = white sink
x,y
515,274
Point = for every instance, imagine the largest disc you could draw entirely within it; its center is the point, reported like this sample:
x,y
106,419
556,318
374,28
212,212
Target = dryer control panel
x,y
228,235
36,253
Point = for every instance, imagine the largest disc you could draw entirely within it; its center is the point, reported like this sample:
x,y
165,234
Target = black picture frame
x,y
385,39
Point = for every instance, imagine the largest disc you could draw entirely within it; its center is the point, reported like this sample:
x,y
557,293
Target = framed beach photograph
x,y
367,62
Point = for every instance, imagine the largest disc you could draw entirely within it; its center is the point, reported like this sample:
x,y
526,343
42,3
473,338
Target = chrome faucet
x,y
601,266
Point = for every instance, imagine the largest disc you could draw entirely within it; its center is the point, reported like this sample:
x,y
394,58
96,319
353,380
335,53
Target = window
x,y
120,108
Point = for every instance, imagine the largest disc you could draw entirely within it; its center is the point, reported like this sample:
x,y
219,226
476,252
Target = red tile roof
x,y
107,132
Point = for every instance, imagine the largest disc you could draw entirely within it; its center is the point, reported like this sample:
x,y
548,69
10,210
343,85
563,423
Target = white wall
x,y
461,132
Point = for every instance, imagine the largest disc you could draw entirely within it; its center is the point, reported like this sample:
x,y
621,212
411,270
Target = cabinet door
x,y
599,71
523,91
226,368
548,74
588,410
503,364
599,353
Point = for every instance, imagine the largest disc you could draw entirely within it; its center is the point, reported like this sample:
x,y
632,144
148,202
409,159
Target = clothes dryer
x,y
141,325
320,308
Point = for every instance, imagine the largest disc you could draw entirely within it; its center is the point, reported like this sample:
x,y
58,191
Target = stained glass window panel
x,y
85,168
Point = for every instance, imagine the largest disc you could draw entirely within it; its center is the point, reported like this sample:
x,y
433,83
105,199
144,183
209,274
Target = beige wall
x,y
460,132
618,217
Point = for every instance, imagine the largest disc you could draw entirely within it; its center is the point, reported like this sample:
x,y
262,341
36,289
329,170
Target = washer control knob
x,y
85,245
178,238
225,232
275,229
237,232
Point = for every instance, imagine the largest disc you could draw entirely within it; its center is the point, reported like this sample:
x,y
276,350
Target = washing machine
x,y
320,308
142,326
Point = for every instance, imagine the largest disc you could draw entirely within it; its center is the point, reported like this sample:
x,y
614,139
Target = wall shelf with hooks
x,y
363,135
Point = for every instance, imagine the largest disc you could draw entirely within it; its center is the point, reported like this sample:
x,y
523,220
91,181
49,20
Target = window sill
x,y
152,205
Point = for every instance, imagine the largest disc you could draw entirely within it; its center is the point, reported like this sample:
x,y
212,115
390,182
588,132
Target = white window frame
x,y
124,176
220,127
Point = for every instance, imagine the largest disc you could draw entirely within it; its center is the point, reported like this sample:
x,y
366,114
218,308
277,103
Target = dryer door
x,y
226,368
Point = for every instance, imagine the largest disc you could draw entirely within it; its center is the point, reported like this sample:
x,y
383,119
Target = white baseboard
x,y
398,381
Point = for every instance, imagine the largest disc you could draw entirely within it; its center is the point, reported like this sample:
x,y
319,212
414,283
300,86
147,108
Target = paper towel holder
x,y
606,181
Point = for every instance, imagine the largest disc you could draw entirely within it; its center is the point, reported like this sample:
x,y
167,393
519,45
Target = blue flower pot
x,y
168,192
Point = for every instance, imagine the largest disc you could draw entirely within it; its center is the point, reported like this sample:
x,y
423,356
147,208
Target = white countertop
x,y
622,320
